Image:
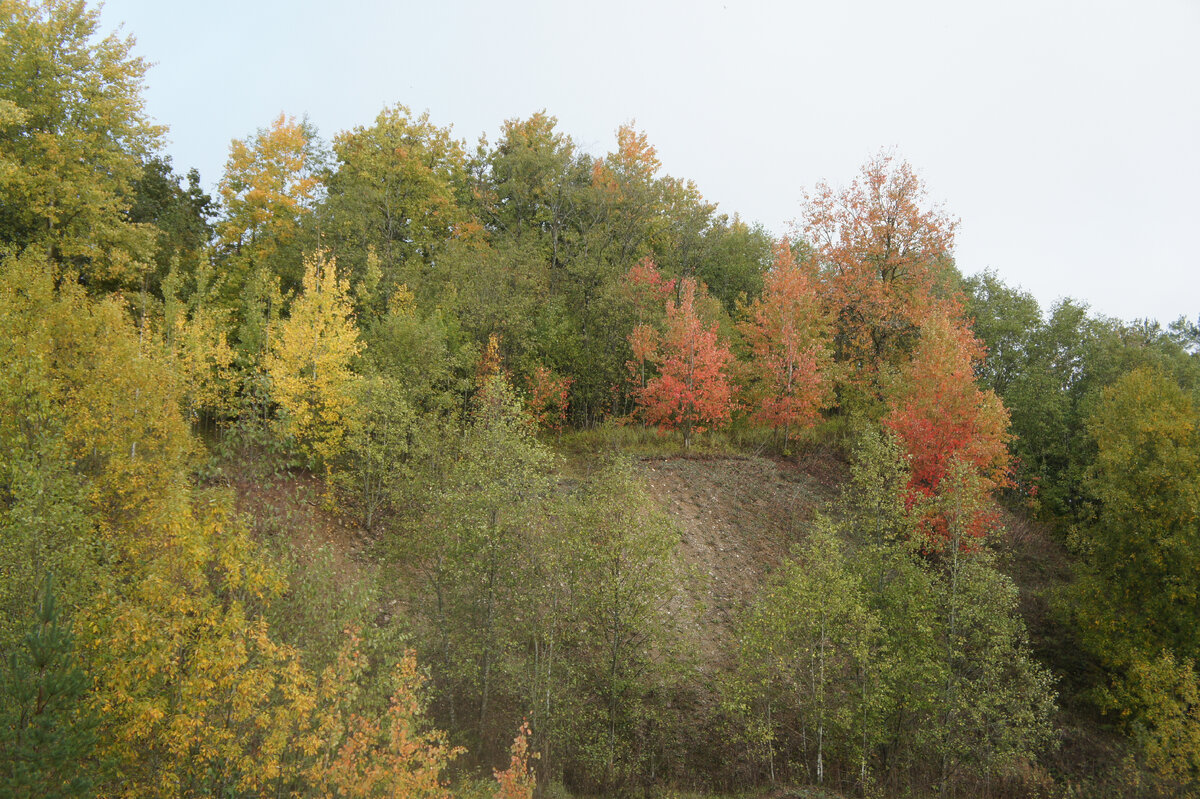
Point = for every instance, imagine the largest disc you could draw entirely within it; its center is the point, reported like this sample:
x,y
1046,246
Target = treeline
x,y
414,322
1105,423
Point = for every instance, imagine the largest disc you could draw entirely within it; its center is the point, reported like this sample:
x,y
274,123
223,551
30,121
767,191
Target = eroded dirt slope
x,y
738,517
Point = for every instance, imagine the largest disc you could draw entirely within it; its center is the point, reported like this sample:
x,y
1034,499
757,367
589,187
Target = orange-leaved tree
x,y
788,337
517,781
884,259
939,414
646,285
647,291
392,754
691,391
549,393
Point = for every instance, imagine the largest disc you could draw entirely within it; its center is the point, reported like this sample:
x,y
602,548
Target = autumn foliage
x,y
884,258
647,285
490,361
691,390
518,780
635,161
392,755
268,189
309,362
940,414
367,310
790,362
548,396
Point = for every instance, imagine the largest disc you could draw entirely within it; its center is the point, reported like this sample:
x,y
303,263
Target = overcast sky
x,y
1065,135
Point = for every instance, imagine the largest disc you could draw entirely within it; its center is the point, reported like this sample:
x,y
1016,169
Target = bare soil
x,y
738,517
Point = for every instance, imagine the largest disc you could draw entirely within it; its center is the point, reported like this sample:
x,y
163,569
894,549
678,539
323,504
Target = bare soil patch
x,y
738,517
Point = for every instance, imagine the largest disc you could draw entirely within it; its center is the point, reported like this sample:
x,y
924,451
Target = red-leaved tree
x,y
940,415
691,390
791,359
646,284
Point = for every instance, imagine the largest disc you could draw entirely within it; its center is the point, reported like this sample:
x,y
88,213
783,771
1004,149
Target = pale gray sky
x,y
1065,135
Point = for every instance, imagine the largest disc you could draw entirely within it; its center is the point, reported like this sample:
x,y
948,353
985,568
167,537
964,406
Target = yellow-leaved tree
x,y
164,589
268,188
167,593
195,335
75,139
309,363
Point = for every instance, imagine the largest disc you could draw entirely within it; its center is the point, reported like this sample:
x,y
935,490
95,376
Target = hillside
x,y
400,459
737,518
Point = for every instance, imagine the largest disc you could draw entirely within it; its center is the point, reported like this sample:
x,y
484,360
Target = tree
x,y
997,701
625,641
619,218
788,337
939,414
885,262
893,661
897,686
529,183
426,354
1141,586
269,190
122,440
485,519
309,363
691,390
182,216
1005,320
389,754
548,393
501,288
43,496
76,136
686,231
1070,359
47,730
804,639
383,449
518,780
1165,691
178,660
195,331
627,182
647,291
735,260
165,638
270,185
397,189
184,666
